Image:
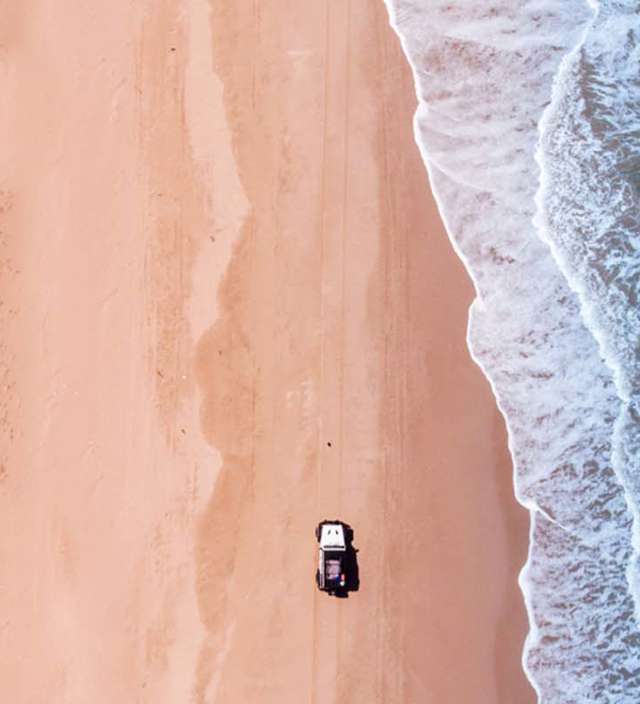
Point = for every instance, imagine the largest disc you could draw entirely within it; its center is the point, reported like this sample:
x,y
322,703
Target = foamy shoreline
x,y
526,125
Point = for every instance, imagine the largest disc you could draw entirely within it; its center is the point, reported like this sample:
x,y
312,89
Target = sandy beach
x,y
230,310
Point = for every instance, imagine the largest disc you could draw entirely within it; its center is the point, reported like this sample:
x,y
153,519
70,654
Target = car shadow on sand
x,y
352,573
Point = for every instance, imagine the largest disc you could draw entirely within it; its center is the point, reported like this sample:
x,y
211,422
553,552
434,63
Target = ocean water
x,y
529,125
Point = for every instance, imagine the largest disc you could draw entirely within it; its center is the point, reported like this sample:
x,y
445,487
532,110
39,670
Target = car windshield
x,y
332,569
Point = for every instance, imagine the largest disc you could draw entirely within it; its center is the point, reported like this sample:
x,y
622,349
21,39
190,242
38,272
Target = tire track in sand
x,y
327,621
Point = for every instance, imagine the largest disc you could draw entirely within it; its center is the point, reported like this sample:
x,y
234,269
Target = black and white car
x,y
337,571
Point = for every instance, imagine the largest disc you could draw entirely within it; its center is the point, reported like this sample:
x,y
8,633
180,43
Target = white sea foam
x,y
540,326
589,213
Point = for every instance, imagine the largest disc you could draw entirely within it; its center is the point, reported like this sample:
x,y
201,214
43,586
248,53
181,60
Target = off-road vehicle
x,y
337,567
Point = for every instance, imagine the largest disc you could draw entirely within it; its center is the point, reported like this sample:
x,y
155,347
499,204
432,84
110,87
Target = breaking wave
x,y
528,121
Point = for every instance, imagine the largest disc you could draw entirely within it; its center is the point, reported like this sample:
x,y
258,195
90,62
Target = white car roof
x,y
332,537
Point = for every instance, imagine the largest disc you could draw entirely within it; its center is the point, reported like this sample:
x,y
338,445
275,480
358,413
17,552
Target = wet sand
x,y
166,452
